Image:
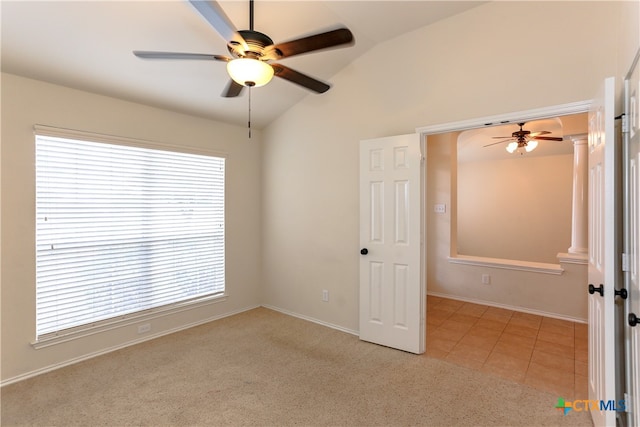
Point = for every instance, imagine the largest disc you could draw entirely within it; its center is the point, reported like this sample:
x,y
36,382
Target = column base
x,y
570,258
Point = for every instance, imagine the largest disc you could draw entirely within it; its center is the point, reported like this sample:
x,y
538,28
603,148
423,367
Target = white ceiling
x,y
88,44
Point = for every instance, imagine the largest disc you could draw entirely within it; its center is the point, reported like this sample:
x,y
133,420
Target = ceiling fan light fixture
x,y
512,147
250,72
531,145
521,147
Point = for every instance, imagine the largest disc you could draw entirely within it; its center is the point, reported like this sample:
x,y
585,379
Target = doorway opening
x,y
477,312
536,287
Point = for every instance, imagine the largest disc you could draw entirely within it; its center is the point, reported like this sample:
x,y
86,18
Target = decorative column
x,y
579,211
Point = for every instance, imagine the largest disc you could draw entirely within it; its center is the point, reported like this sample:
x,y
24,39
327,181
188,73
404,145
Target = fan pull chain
x,y
249,120
250,28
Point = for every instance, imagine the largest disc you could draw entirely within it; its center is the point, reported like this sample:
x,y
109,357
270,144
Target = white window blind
x,y
121,229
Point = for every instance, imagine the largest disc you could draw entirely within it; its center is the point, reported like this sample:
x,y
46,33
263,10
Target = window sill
x,y
119,322
508,264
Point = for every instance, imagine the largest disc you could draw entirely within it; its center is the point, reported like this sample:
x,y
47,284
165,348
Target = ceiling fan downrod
x,y
251,15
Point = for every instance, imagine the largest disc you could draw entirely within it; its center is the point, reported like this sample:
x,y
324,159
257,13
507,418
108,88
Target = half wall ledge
x,y
508,264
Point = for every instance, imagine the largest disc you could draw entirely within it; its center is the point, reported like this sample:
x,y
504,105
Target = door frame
x,y
604,253
502,119
630,363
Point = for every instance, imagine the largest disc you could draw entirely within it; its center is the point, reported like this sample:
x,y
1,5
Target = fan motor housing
x,y
256,42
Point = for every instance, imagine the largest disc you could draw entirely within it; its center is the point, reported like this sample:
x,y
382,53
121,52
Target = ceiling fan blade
x,y
233,89
299,78
495,143
548,138
319,41
179,55
215,16
534,134
502,137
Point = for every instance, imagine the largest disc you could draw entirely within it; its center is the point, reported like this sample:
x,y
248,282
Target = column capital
x,y
579,139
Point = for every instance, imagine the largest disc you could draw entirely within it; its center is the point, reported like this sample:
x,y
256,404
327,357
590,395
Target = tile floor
x,y
545,353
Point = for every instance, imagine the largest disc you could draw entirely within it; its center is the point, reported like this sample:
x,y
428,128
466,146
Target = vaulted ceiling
x,y
88,45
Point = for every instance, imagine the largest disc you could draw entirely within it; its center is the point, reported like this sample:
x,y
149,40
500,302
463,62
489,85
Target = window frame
x,y
145,315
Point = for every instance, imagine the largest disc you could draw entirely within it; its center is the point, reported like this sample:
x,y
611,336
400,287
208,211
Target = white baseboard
x,y
311,319
509,307
88,356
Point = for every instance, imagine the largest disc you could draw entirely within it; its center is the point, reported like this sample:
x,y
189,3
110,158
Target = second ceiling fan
x,y
523,140
252,52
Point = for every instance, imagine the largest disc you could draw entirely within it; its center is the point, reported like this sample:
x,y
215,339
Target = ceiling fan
x,y
523,140
252,52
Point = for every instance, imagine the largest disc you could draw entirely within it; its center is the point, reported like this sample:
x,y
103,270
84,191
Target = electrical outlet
x,y
486,279
144,328
325,295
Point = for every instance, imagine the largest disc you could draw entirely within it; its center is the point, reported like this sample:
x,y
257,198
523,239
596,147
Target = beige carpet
x,y
264,368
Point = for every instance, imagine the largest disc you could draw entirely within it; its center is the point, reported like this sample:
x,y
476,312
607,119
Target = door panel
x,y
392,288
603,249
632,238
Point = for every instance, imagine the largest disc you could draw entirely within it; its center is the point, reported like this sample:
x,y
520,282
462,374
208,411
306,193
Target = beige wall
x,y
27,102
483,62
517,208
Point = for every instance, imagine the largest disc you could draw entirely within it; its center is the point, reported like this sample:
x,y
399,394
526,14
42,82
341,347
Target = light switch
x,y
439,208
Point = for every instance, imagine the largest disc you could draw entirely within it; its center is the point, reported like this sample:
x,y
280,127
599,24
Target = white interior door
x,y
632,242
392,285
602,252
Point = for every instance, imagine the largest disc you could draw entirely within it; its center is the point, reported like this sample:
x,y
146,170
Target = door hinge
x,y
625,123
627,402
625,262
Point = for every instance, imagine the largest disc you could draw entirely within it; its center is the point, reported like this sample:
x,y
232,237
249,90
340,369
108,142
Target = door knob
x,y
633,319
622,293
364,251
599,289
